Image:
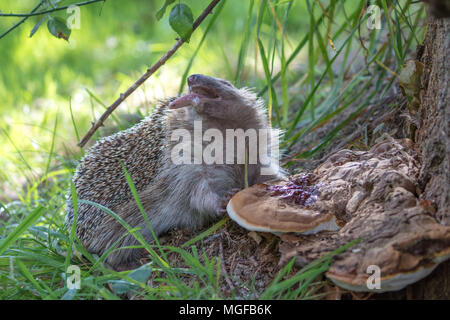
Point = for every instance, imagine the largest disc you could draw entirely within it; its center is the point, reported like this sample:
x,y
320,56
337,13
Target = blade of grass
x,y
325,117
311,94
131,230
21,228
111,249
24,161
93,96
324,142
272,95
313,269
52,148
30,278
73,229
141,209
311,57
206,233
244,45
73,120
284,81
295,53
398,54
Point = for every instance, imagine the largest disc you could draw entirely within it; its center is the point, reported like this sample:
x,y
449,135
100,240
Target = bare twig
x,y
22,20
34,13
144,77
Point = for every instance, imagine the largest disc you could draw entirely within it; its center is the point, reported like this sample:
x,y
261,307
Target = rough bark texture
x,y
433,134
433,142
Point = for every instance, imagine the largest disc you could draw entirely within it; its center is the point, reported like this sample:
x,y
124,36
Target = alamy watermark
x,y
253,146
74,19
73,22
73,277
374,20
374,280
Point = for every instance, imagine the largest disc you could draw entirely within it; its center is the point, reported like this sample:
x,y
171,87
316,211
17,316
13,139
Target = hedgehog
x,y
174,194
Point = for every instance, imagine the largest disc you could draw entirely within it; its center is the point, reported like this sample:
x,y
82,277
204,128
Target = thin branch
x,y
21,21
33,13
144,77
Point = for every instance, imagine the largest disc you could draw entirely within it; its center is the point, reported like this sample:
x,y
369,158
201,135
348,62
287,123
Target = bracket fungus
x,y
279,207
374,196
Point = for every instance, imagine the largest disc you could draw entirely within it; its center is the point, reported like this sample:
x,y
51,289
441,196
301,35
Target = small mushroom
x,y
256,209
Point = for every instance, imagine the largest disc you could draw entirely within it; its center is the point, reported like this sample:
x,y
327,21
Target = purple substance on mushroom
x,y
298,190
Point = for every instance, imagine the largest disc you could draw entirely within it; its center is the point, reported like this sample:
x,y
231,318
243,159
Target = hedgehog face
x,y
204,89
212,88
218,99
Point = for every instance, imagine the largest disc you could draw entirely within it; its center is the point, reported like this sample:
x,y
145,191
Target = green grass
x,y
51,93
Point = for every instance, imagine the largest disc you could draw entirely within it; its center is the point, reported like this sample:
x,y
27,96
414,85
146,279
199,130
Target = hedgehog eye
x,y
226,83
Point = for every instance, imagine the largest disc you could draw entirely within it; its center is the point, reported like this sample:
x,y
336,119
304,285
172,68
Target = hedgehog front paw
x,y
226,199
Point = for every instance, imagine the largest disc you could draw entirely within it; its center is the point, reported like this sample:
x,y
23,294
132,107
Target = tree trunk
x,y
434,131
433,143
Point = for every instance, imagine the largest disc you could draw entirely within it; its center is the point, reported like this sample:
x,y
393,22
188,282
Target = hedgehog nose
x,y
192,79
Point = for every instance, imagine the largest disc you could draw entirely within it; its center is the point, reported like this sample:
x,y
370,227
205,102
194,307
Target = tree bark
x,y
434,119
433,143
433,137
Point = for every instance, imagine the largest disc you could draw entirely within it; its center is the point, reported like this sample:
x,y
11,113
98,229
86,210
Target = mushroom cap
x,y
255,209
391,282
